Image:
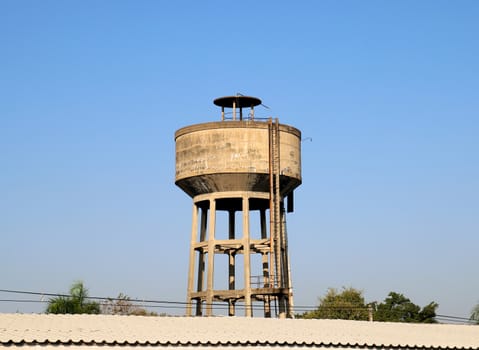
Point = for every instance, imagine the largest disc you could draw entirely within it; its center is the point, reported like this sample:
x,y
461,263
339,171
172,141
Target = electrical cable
x,y
167,304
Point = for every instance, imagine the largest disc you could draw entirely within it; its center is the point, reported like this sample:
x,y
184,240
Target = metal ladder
x,y
275,202
281,277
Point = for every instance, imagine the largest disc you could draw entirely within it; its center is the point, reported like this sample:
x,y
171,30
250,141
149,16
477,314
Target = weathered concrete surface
x,y
234,156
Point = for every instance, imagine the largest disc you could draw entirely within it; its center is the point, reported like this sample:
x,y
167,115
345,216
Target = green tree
x,y
346,305
76,303
475,314
397,308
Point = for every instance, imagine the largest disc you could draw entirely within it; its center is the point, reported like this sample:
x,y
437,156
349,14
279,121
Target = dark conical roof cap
x,y
240,101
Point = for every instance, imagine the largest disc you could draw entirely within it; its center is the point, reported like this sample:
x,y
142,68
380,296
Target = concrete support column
x,y
247,258
201,259
191,269
205,246
211,258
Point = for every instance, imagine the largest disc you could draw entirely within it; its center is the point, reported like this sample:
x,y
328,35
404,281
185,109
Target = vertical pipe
x,y
211,258
247,258
191,271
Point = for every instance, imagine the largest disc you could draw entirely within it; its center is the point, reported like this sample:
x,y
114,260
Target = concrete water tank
x,y
234,156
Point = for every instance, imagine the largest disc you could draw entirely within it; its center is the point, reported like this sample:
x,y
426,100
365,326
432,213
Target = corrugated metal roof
x,y
32,329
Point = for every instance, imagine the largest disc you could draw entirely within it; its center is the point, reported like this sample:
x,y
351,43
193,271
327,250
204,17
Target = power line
x,y
23,301
168,304
93,297
143,302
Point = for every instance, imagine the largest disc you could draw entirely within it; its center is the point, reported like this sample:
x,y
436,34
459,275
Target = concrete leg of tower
x,y
191,270
287,267
247,258
201,258
211,259
195,246
285,300
209,238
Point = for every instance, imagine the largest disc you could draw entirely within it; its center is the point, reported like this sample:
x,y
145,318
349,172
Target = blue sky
x,y
91,93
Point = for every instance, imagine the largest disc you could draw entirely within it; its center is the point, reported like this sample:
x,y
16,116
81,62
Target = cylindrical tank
x,y
235,156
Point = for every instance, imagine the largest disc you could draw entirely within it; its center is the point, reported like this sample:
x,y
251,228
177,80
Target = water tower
x,y
239,171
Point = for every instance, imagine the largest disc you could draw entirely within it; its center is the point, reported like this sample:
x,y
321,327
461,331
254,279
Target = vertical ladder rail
x,y
272,262
276,203
275,199
281,274
279,244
